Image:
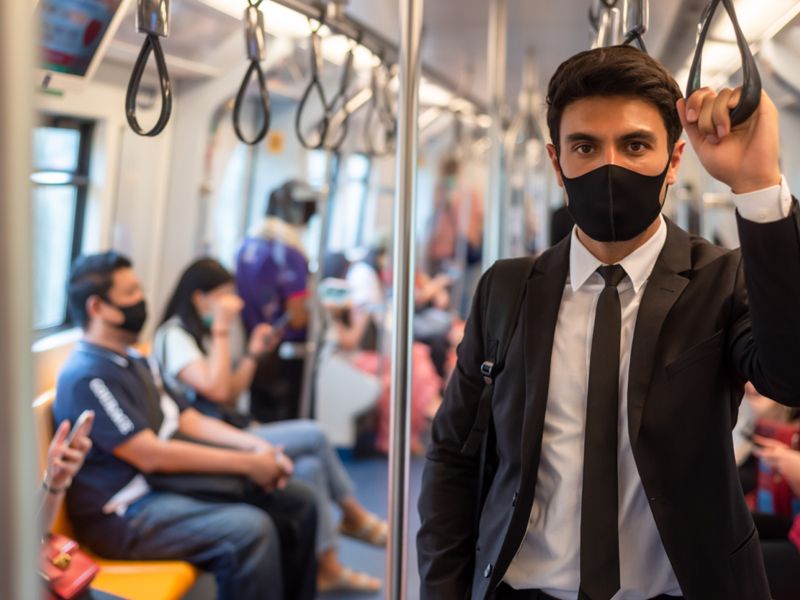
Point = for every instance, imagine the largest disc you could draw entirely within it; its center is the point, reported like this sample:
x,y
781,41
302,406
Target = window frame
x,y
80,181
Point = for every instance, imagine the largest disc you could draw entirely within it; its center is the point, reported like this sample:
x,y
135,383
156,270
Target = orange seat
x,y
134,580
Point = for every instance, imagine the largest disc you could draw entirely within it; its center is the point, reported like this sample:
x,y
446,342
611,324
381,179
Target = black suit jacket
x,y
702,330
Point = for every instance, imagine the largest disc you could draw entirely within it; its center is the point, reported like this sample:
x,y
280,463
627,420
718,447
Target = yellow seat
x,y
134,580
152,580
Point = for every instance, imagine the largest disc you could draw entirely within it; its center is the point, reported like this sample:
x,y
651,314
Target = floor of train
x,y
371,479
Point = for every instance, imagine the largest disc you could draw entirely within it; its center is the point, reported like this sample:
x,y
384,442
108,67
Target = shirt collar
x,y
117,359
638,265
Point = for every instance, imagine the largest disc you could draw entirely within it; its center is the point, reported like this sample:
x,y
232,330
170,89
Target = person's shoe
x,y
350,581
373,530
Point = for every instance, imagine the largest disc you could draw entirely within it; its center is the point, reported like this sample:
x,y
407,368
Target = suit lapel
x,y
663,289
543,294
543,300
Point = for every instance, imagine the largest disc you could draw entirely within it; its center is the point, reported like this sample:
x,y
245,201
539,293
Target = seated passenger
x,y
271,277
258,545
432,318
193,346
63,463
780,535
359,327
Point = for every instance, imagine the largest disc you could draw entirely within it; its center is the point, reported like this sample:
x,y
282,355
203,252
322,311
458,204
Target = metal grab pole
x,y
403,294
495,209
18,468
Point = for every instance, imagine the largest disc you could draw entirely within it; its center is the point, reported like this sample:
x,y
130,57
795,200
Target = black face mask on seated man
x,y
614,204
135,315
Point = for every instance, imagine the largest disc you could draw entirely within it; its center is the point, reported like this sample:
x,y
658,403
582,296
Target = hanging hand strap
x,y
255,39
313,85
380,110
152,19
341,98
751,84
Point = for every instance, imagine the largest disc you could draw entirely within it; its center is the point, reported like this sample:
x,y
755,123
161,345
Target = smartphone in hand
x,y
83,426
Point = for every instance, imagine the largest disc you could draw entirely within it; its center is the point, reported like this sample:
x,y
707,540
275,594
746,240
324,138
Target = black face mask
x,y
135,316
614,204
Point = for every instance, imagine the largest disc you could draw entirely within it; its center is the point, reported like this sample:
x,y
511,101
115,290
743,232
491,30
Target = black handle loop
x,y
751,79
341,97
266,104
255,41
380,108
151,44
634,37
314,84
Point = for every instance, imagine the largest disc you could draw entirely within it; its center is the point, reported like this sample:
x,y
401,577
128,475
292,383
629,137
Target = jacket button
x,y
477,547
514,501
487,572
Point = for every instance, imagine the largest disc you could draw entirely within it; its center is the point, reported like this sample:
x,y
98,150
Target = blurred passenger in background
x,y
130,501
455,233
770,473
753,407
433,320
780,533
361,328
193,347
272,278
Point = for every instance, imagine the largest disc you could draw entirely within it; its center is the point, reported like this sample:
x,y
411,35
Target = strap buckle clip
x,y
487,370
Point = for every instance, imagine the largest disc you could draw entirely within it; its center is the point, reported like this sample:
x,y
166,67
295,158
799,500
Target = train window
x,y
317,168
60,179
348,227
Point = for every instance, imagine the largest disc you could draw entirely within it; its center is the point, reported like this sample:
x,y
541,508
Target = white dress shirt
x,y
549,556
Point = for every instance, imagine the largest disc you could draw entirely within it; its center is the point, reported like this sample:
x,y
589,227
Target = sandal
x,y
351,581
373,530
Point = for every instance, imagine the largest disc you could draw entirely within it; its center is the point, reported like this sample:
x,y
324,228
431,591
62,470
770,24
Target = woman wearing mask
x,y
193,346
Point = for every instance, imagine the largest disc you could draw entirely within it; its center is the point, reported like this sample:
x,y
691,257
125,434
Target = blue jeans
x,y
316,463
259,550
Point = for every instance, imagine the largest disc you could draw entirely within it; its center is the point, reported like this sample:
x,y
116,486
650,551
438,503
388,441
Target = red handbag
x,y
66,569
774,496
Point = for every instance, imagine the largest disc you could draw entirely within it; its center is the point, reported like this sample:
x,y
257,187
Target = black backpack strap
x,y
505,286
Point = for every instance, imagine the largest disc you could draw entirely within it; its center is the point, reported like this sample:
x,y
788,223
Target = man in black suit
x,y
613,472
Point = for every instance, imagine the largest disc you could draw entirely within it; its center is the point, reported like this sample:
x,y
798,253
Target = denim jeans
x,y
316,463
259,550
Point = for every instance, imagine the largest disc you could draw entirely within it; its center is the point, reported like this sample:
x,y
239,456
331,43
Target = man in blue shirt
x,y
260,545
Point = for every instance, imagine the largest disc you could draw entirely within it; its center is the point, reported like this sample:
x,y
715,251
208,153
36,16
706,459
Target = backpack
x,y
506,280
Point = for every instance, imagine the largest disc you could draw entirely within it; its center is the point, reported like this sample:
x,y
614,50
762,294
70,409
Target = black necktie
x,y
600,501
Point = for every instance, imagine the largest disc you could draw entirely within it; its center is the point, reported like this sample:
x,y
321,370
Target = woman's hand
x,y
63,461
226,309
263,340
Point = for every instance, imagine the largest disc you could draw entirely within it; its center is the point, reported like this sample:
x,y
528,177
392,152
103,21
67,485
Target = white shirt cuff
x,y
767,205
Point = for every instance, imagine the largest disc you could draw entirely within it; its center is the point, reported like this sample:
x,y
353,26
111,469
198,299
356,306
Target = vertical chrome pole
x,y
18,471
316,325
403,294
496,79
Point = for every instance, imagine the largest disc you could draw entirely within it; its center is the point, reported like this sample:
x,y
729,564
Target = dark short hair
x,y
203,275
613,71
92,275
286,204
